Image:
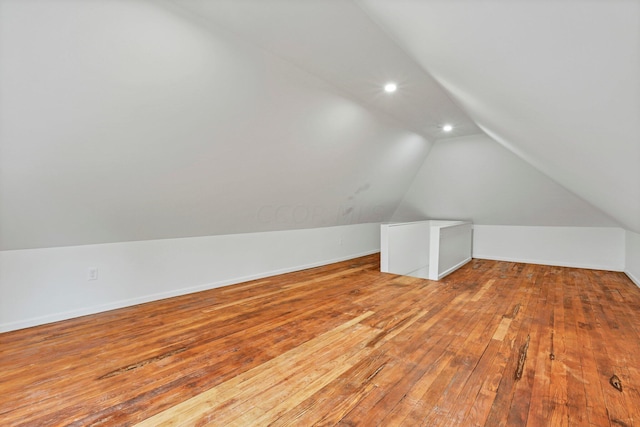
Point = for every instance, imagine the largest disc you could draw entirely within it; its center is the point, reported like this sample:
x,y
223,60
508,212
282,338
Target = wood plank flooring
x,y
343,345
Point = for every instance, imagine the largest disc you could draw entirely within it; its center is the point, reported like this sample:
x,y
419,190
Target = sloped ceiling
x,y
150,119
126,121
556,82
337,42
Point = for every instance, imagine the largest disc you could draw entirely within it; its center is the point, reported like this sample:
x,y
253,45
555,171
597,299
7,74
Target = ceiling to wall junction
x,y
557,83
141,120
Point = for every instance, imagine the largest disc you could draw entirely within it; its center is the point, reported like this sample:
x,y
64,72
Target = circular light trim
x,y
390,87
447,128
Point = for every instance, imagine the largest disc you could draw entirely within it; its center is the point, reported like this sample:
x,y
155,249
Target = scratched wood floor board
x,y
569,355
500,313
606,366
505,388
541,381
488,403
597,411
612,357
364,414
343,344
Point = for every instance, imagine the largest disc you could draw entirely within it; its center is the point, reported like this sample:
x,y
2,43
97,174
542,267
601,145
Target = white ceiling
x,y
556,82
174,118
337,42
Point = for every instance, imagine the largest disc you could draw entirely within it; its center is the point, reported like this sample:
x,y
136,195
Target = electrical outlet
x,y
92,273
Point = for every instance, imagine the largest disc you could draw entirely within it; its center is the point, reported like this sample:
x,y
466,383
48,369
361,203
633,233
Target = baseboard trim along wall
x,y
634,279
39,286
598,248
632,256
552,263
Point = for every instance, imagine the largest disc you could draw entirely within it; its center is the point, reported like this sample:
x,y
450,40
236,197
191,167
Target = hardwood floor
x,y
344,345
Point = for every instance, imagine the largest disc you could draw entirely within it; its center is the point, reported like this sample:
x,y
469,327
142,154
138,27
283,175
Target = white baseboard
x,y
545,262
633,278
27,323
454,268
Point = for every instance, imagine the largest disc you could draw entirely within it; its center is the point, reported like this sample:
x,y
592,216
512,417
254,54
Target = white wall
x,y
583,247
632,264
134,120
43,285
475,178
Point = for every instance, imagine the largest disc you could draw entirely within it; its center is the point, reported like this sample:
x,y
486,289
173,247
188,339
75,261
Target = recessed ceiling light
x,y
390,87
447,128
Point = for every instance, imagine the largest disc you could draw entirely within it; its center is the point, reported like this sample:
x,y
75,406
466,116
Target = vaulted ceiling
x,y
558,83
338,42
152,119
